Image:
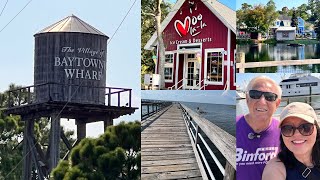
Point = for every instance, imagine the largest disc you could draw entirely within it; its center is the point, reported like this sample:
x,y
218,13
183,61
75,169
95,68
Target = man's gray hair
x,y
265,78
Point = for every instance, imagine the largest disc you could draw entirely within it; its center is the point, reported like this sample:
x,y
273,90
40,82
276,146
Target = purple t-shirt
x,y
253,154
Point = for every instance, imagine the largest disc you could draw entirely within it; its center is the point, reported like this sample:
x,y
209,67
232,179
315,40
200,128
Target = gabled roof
x,y
284,17
71,24
226,15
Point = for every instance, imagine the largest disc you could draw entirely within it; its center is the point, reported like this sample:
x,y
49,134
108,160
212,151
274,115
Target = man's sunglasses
x,y
304,129
269,96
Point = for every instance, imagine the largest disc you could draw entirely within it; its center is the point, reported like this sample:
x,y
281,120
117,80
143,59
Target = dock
x,y
244,65
169,150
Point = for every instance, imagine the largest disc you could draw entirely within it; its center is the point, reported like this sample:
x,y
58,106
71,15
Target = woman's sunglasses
x,y
269,96
304,129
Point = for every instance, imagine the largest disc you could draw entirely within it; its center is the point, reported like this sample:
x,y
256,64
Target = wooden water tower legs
x,y
108,122
54,143
27,166
31,152
81,128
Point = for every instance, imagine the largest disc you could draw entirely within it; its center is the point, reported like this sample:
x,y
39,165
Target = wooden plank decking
x,y
166,150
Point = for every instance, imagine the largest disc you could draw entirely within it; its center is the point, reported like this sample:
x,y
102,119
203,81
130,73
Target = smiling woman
x,y
257,132
299,157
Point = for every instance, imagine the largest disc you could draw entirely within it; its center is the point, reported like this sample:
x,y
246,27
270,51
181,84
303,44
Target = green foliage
x,y
257,18
317,29
148,27
114,155
314,6
294,20
302,11
11,136
60,170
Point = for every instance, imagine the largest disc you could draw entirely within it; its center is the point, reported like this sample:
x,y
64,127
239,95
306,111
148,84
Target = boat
x,y
295,45
240,95
300,84
200,111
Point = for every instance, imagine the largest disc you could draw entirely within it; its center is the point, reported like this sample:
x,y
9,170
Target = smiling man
x,y
257,133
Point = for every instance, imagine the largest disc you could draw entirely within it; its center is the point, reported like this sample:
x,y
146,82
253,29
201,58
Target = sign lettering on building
x,y
191,24
75,67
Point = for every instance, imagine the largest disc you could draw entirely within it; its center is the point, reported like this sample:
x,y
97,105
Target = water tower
x,y
69,82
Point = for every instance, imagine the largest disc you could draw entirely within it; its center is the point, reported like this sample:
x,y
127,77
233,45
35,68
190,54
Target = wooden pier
x,y
166,149
171,143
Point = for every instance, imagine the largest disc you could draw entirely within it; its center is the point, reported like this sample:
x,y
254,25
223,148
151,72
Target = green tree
x,y
302,11
255,19
271,14
317,29
314,6
148,27
11,136
114,155
241,14
294,19
258,18
284,11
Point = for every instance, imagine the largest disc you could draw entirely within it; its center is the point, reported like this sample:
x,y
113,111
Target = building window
x,y
168,75
169,58
285,34
191,56
307,84
214,70
168,67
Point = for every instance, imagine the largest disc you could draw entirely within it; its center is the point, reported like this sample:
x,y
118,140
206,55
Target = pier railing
x,y
245,65
55,92
148,108
222,140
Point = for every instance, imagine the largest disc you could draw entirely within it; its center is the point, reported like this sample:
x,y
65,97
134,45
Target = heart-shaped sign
x,y
182,28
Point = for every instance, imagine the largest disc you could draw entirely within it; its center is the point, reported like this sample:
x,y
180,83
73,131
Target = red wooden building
x,y
200,46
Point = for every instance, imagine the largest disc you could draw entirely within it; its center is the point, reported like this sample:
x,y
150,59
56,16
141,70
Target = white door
x,y
191,74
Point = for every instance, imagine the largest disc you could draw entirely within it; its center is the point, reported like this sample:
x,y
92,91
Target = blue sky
x,y
123,58
230,3
244,78
208,96
279,3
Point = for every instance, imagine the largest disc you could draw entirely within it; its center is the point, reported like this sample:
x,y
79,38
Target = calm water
x,y
278,52
219,114
222,116
315,103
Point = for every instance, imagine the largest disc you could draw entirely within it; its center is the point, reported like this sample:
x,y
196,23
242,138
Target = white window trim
x,y
200,71
169,80
205,66
234,67
169,52
169,65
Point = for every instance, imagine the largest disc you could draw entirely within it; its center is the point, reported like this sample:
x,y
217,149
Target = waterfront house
x,y
285,33
281,21
300,29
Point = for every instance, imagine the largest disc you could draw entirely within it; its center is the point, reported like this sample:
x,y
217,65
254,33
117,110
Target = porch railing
x,y
175,85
